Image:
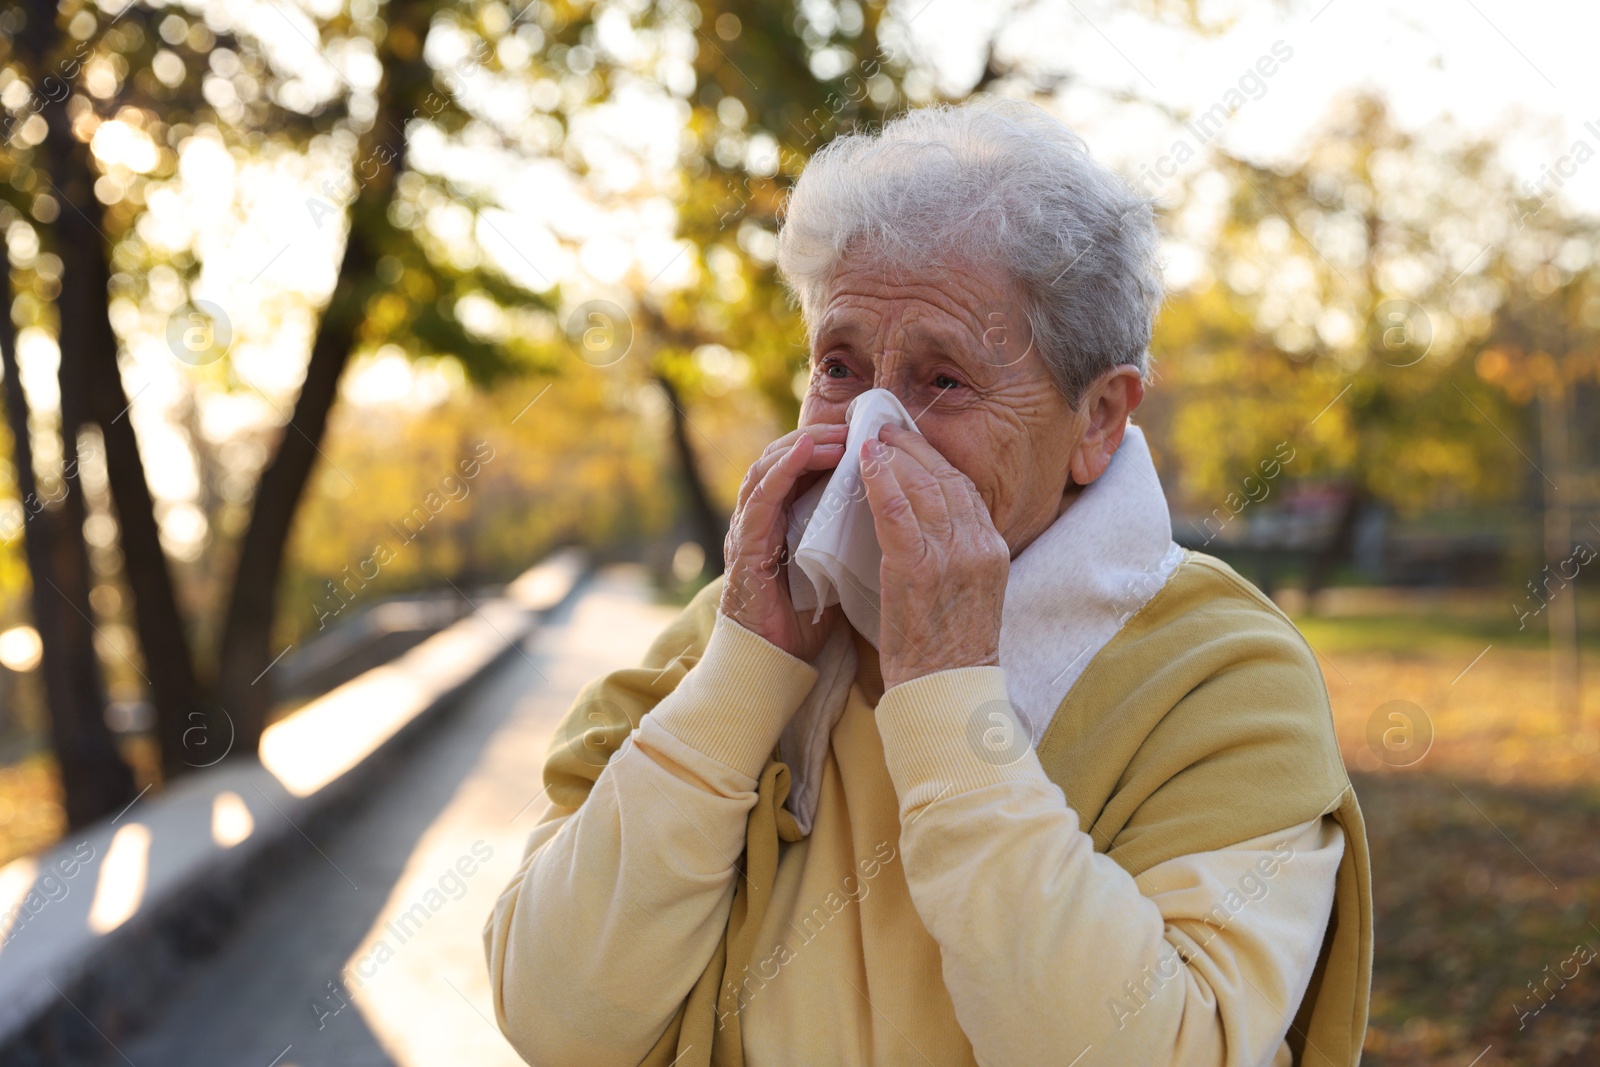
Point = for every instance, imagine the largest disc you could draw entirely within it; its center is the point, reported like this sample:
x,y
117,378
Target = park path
x,y
464,791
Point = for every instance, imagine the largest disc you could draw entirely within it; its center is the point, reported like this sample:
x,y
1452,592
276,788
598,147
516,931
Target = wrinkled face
x,y
953,346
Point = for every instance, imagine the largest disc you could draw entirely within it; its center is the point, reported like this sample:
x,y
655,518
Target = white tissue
x,y
833,542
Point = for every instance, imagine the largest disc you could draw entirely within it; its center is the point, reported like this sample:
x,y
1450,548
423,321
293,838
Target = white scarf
x,y
1067,595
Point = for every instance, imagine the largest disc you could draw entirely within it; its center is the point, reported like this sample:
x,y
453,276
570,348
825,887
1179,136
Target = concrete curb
x,y
95,931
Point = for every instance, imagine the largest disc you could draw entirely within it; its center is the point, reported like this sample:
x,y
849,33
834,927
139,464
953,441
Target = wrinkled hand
x,y
944,563
756,592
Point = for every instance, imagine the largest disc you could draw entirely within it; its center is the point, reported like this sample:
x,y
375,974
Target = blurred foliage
x,y
1260,350
1341,307
150,84
31,814
758,88
154,78
415,498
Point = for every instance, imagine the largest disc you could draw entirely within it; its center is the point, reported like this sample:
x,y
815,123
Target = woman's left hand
x,y
944,566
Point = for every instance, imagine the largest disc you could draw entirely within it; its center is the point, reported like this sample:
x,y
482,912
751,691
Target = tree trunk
x,y
1339,545
710,529
86,329
1565,664
94,779
246,651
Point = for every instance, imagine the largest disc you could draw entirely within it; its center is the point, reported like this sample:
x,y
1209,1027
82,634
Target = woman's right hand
x,y
756,592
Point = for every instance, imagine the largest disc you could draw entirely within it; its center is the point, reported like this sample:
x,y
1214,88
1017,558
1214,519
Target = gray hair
x,y
1000,181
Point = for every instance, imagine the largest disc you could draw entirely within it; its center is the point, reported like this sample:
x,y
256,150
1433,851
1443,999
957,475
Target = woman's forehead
x,y
909,327
937,304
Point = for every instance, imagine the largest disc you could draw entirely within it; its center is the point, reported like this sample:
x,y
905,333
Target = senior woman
x,y
1074,799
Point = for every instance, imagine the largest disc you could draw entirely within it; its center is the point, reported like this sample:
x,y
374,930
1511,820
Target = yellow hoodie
x,y
1151,886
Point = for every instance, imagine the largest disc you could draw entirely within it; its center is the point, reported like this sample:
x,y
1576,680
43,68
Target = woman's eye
x,y
830,367
944,381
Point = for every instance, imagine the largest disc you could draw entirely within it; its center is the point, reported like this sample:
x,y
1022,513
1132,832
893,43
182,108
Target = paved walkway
x,y
265,999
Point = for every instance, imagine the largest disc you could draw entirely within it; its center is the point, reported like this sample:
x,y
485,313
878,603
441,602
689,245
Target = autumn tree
x,y
94,777
1341,301
164,76
1543,356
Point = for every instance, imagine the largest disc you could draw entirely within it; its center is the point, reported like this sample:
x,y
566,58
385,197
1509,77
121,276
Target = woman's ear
x,y
1102,416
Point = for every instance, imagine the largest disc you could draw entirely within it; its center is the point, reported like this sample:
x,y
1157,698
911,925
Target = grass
x,y
1486,874
1430,632
1482,894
